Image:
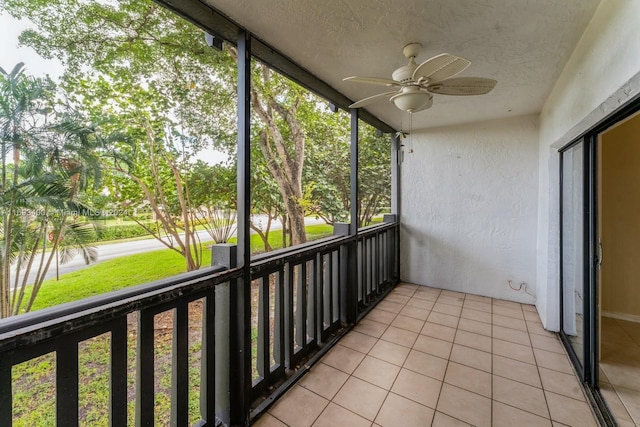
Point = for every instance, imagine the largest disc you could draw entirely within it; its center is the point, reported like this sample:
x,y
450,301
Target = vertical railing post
x,y
215,359
392,247
348,278
118,380
67,383
145,368
6,397
240,339
180,365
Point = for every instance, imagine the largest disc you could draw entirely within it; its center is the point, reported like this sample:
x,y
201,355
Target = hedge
x,y
115,232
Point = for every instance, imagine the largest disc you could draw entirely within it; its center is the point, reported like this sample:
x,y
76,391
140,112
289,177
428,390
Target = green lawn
x,y
109,276
137,269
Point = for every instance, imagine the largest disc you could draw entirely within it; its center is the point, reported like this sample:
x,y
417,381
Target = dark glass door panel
x,y
573,244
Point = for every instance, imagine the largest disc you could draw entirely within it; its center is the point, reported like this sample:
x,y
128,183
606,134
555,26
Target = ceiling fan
x,y
416,83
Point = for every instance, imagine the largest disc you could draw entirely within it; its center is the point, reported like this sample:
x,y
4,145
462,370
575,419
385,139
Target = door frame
x,y
588,372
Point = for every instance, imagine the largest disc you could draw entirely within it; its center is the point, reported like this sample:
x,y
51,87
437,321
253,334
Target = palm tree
x,y
20,98
54,157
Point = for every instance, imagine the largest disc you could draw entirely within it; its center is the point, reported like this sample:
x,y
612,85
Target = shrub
x,y
115,232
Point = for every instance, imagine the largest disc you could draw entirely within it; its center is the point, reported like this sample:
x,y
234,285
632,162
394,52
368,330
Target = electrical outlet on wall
x,y
523,286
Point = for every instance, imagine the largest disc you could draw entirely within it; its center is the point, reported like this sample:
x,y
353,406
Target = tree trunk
x,y
32,256
296,218
263,236
154,193
284,155
5,289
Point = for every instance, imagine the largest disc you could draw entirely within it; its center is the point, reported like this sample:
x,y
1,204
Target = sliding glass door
x,y
579,266
579,258
581,253
573,243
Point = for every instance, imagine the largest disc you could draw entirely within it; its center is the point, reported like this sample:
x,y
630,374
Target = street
x,y
116,250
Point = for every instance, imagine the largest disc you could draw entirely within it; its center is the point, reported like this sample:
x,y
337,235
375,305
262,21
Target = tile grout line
x,y
435,410
351,375
535,358
412,349
448,363
539,377
399,370
396,315
492,370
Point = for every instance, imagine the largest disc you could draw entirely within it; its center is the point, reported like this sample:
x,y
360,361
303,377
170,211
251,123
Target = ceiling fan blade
x,y
372,99
372,80
440,67
463,86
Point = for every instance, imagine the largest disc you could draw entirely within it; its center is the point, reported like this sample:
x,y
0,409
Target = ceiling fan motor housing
x,y
404,74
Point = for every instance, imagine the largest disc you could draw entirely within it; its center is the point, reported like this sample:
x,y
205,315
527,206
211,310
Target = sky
x,y
11,53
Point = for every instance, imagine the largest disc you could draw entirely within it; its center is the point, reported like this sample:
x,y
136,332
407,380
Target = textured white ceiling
x,y
523,44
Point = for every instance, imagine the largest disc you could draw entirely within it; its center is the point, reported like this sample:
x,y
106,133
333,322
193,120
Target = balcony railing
x,y
302,300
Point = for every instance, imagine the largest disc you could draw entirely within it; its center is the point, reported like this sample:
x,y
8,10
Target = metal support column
x,y
216,357
354,173
240,372
396,159
396,197
352,248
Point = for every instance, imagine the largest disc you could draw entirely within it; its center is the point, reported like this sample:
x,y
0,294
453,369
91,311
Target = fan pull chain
x,y
410,132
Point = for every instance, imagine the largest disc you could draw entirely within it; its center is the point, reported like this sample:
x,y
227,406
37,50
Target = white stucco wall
x,y
469,207
602,74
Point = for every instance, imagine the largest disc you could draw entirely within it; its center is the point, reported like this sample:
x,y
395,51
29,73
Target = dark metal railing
x,y
298,307
377,263
63,328
302,299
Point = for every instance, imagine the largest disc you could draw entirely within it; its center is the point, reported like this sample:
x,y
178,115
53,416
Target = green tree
x,y
327,183
277,102
153,170
151,76
140,43
156,175
135,45
327,178
212,191
54,155
266,202
374,174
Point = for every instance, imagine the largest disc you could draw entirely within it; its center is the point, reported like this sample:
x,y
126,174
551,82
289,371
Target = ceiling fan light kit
x,y
415,83
412,99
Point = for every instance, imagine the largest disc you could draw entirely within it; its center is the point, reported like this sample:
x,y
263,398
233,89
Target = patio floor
x,y
431,357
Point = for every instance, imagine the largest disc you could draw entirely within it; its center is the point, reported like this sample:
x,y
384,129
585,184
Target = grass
x,y
109,276
33,391
137,269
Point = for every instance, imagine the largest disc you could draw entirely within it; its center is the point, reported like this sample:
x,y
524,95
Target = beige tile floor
x,y
620,369
431,357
